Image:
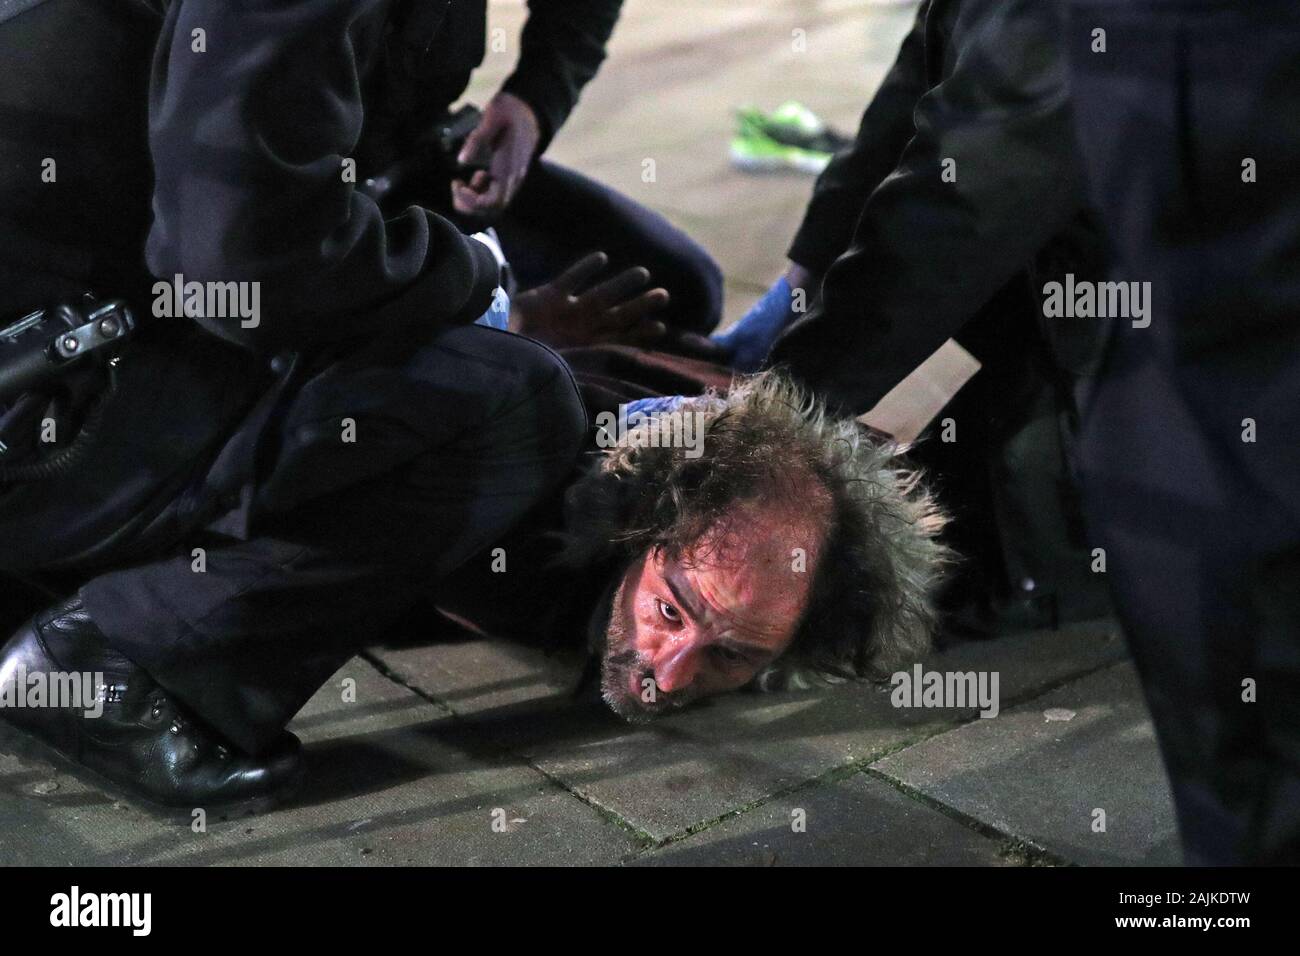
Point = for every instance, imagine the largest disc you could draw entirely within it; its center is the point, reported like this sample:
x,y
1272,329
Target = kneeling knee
x,y
546,404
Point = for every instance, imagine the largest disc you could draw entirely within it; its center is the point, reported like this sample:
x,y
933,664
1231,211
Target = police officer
x,y
240,501
962,172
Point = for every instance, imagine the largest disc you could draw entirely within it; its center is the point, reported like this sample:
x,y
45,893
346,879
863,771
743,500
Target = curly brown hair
x,y
871,607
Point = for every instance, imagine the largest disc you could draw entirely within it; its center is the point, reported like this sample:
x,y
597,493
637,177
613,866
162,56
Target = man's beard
x,y
620,662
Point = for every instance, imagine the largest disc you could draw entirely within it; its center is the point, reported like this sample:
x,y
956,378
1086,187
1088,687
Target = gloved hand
x,y
750,339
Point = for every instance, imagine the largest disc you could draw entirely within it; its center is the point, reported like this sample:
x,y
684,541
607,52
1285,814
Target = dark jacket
x,y
236,151
207,138
909,256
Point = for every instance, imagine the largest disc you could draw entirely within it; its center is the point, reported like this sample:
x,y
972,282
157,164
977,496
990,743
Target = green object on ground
x,y
789,137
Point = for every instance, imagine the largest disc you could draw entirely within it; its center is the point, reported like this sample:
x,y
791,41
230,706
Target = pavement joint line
x,y
607,814
1032,851
644,840
392,675
834,775
1035,855
1009,844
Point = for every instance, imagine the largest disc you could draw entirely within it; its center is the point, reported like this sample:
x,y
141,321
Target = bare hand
x,y
506,138
617,310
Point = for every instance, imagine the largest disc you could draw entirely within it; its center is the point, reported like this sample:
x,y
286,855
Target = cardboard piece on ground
x,y
915,401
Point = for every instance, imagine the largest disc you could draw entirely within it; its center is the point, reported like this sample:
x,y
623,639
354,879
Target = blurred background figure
x,y
1187,118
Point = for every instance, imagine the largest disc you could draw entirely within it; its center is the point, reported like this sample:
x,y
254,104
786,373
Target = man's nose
x,y
675,667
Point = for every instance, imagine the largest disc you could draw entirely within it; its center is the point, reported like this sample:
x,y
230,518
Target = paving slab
x,y
723,754
1042,771
859,821
392,780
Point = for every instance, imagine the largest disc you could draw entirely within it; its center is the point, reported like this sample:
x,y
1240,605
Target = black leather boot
x,y
132,734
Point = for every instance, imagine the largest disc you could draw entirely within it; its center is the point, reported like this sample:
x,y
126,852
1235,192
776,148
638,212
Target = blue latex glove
x,y
750,339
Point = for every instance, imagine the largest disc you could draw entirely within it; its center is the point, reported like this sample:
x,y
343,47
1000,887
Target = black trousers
x,y
386,469
1191,465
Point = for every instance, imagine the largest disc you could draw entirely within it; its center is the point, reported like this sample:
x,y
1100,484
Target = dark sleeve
x,y
843,187
562,47
248,140
927,254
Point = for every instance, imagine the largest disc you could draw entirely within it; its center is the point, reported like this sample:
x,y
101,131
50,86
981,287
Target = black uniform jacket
x,y
963,168
142,140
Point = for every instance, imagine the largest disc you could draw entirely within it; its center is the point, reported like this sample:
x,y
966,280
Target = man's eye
x,y
670,613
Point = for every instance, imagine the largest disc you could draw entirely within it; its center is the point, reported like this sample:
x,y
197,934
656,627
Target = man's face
x,y
708,622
